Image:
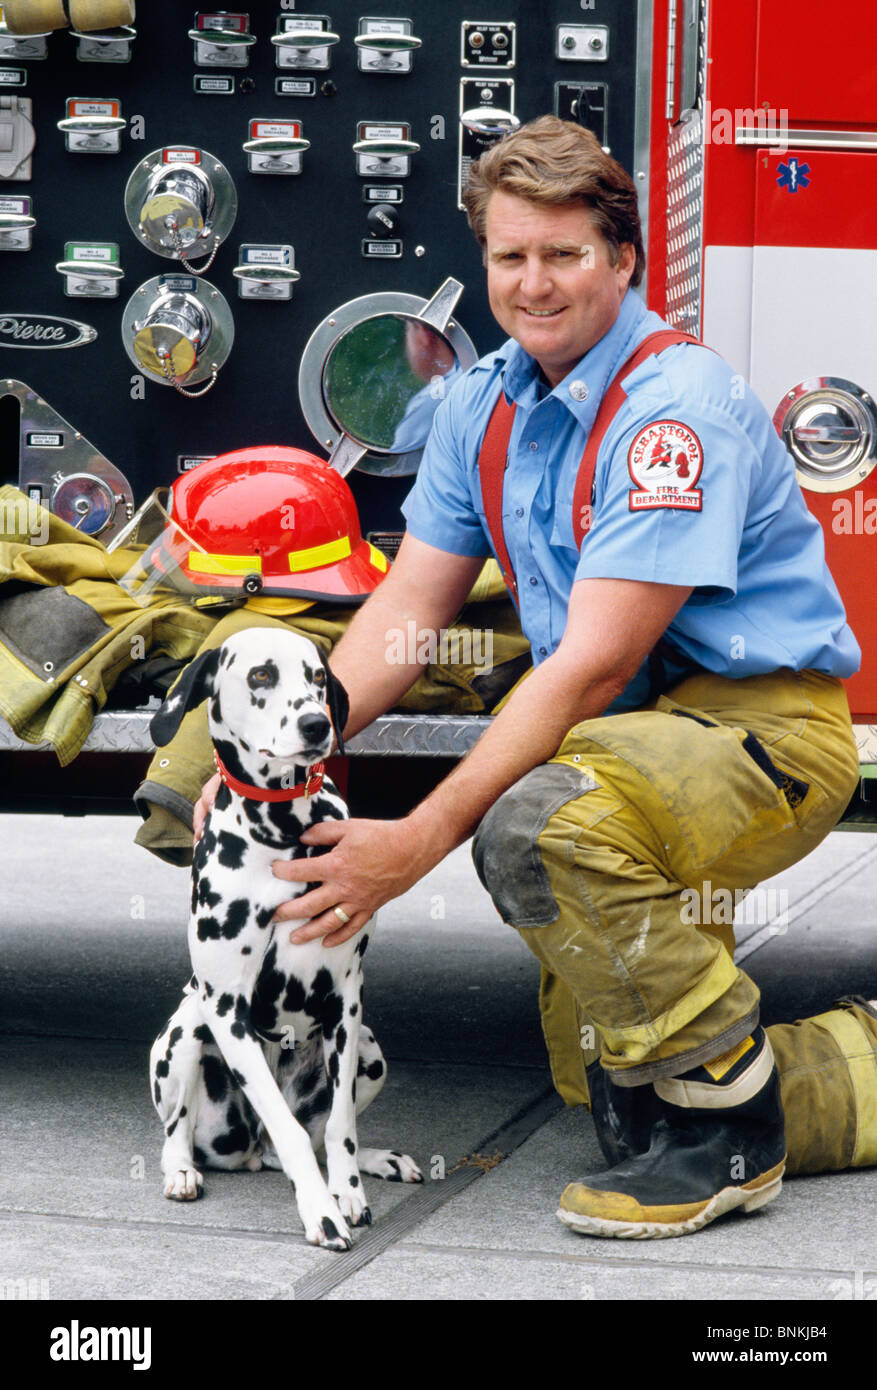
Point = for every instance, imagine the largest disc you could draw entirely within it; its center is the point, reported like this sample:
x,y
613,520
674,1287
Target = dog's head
x,y
273,702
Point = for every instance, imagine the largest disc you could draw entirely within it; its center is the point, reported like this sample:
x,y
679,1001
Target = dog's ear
x,y
339,704
194,685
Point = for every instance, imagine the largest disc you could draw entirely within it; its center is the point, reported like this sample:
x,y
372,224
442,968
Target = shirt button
x,y
543,651
533,579
519,511
579,390
533,446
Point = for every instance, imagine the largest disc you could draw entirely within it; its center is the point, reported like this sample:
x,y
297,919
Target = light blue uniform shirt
x,y
741,535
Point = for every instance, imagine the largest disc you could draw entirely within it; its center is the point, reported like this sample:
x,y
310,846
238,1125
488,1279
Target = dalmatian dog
x,y
267,1061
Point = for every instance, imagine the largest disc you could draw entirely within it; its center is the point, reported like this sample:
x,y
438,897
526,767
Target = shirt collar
x,y
594,371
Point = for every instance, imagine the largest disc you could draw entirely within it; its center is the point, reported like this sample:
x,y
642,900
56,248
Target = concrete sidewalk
x,y
93,961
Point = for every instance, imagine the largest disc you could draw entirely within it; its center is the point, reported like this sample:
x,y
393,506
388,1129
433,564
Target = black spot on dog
x,y
156,1091
223,656
264,916
237,1136
215,1076
246,950
169,1129
206,896
341,1038
223,799
224,1003
202,1033
362,947
267,992
258,701
241,1025
297,704
374,1070
172,1041
232,659
208,989
162,1068
332,1068
354,1010
354,1181
350,1146
232,849
246,747
323,1004
239,1077
235,918
308,1110
263,770
284,721
216,710
330,1230
228,754
208,929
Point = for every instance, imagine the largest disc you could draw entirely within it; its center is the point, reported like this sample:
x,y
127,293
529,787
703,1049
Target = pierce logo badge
x,y
43,331
665,462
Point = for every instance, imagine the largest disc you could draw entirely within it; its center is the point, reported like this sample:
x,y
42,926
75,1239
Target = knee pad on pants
x,y
506,849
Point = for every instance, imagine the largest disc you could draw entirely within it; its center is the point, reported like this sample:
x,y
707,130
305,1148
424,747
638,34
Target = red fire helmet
x,y
270,520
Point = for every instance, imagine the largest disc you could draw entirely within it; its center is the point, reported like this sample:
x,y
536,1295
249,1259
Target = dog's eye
x,y
320,678
262,677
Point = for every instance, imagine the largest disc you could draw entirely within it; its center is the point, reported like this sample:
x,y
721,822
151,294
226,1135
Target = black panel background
x,y
321,212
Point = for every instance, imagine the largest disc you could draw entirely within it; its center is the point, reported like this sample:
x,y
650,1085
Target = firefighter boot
x,y
720,1144
624,1116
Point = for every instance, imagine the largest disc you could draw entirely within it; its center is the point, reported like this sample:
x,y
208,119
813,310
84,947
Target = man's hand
x,y
204,805
370,862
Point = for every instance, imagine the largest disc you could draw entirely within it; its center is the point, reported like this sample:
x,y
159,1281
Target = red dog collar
x,y
312,783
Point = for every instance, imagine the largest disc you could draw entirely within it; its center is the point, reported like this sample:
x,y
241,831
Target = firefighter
x,y
684,729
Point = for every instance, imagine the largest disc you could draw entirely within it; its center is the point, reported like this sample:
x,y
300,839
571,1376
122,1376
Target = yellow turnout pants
x,y
617,860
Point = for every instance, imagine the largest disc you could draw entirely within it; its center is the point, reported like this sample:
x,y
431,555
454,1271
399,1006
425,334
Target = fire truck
x,y
202,212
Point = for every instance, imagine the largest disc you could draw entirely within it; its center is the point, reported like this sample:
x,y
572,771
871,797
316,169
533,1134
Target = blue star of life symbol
x,y
793,175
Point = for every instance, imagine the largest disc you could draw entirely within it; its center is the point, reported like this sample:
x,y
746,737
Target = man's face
x,y
550,281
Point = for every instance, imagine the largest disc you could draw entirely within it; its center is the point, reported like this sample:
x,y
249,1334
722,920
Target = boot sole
x,y
750,1197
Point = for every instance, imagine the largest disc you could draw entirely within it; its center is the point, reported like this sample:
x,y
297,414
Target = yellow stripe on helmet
x,y
317,555
200,562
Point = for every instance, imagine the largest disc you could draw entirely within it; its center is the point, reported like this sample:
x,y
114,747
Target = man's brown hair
x,y
558,163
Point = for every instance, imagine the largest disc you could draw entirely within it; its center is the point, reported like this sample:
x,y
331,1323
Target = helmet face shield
x,y
172,563
271,521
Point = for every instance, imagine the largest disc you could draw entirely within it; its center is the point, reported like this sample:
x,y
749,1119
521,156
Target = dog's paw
x,y
325,1226
353,1207
390,1165
185,1185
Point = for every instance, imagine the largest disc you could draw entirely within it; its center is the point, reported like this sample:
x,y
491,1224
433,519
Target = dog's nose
x,y
314,728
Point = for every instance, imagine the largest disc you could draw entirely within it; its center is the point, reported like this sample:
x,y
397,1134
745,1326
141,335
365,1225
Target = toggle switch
x,y
385,45
92,270
275,147
105,45
92,126
384,150
266,272
222,39
304,42
16,224
22,47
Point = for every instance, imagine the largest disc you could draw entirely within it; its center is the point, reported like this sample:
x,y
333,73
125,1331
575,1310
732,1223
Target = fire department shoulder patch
x,y
665,462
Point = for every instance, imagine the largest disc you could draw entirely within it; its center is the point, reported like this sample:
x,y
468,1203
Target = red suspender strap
x,y
491,466
495,447
613,398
